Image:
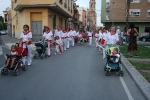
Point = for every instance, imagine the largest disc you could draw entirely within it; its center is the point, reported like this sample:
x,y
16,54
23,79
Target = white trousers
x,y
70,40
96,41
65,43
90,40
29,57
48,48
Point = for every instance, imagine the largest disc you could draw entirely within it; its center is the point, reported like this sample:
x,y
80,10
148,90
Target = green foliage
x,y
3,26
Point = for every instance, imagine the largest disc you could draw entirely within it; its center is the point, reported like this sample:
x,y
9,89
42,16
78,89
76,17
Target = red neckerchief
x,y
13,51
47,31
112,34
25,33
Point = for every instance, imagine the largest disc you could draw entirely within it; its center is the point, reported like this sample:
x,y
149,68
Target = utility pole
x,y
127,18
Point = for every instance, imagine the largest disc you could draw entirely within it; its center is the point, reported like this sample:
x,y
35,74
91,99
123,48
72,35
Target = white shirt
x,y
64,34
72,33
97,35
48,36
25,37
77,34
118,31
112,39
89,33
104,36
58,33
59,42
100,36
13,53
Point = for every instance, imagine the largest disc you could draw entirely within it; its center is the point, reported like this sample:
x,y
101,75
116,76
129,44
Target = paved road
x,y
77,74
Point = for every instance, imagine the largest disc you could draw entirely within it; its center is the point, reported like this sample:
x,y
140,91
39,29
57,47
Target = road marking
x,y
126,89
1,50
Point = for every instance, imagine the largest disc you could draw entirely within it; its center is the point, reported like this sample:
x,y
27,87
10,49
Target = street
x,y
77,74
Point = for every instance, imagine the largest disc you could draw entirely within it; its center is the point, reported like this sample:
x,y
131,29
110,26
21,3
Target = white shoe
x,y
29,64
65,49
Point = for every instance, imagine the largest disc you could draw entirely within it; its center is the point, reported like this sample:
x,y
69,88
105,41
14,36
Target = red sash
x,y
102,41
50,44
59,48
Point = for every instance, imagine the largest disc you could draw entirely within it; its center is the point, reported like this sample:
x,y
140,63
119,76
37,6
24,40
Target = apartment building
x,y
113,12
82,18
7,20
40,13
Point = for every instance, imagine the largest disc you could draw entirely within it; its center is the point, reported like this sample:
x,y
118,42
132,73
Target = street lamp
x,y
113,13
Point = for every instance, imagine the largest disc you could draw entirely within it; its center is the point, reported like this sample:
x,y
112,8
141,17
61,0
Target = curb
x,y
140,81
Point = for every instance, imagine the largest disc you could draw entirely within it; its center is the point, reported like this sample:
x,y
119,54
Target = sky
x,y
82,3
85,3
3,5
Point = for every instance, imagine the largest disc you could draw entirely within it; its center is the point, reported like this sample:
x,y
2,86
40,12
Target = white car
x,y
3,32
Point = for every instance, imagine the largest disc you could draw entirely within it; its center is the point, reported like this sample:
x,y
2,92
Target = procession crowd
x,y
64,38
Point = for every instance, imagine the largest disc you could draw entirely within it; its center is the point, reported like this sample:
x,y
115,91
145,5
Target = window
x,y
65,3
60,1
134,13
69,5
107,5
148,0
135,1
148,13
60,22
107,15
147,29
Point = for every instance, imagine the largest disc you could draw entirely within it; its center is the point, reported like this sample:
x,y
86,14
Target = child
x,y
12,56
115,53
58,45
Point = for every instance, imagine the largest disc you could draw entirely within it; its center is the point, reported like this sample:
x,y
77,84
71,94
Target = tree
x,y
128,8
3,26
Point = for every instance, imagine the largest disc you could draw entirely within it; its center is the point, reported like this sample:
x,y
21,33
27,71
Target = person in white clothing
x,y
90,36
112,37
96,38
68,38
48,37
64,39
72,35
59,44
26,41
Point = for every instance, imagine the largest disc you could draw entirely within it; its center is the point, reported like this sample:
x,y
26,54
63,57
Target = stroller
x,y
111,64
41,50
18,62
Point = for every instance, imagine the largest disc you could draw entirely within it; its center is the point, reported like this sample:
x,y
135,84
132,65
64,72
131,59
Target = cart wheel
x,y
24,67
46,55
2,72
16,72
5,71
35,57
107,72
104,68
121,73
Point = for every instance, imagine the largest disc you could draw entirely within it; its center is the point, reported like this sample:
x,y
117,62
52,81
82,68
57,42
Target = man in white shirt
x,y
90,36
72,35
118,31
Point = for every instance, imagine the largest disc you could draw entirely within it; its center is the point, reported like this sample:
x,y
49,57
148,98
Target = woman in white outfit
x,y
96,38
64,39
68,38
26,41
90,37
112,38
48,37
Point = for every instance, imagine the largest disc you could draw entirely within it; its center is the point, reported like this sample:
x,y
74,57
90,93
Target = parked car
x,y
3,32
145,38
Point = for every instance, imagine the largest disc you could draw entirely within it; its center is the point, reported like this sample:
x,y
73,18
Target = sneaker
x,y
29,64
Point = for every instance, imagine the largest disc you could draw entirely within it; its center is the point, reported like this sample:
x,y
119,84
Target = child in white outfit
x,y
115,53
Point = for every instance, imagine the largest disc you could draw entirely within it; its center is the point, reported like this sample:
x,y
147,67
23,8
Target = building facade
x,y
8,20
114,13
92,14
82,18
40,13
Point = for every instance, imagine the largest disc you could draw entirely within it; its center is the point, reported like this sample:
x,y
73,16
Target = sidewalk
x,y
9,41
140,81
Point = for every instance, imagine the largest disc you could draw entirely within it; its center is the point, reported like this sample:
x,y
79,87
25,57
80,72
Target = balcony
x,y
51,4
